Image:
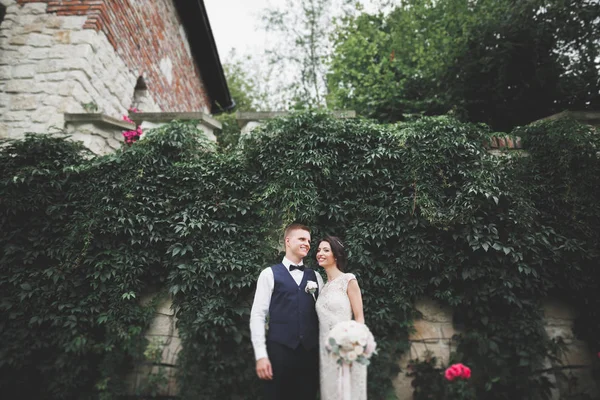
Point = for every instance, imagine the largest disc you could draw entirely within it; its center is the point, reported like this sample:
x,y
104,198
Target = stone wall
x,y
61,57
434,333
164,338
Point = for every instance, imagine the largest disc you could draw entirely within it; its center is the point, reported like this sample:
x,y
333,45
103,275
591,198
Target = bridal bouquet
x,y
351,342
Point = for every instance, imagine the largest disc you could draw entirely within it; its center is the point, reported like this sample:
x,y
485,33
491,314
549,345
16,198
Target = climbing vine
x,y
424,208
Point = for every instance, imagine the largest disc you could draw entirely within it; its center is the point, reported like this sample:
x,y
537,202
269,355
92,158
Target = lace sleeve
x,y
347,278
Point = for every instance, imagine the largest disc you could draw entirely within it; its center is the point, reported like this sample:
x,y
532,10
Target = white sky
x,y
236,23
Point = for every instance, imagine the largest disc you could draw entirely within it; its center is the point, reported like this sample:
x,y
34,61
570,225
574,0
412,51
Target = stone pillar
x,y
433,333
158,372
574,375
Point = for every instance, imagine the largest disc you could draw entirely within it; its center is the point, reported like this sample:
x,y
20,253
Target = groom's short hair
x,y
293,227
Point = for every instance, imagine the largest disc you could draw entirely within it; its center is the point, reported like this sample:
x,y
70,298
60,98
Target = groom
x,y
287,356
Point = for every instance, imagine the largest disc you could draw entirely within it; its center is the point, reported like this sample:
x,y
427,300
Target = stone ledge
x,y
248,116
98,118
589,117
204,119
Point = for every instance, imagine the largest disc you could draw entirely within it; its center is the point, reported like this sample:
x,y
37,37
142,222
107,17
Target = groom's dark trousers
x,y
293,338
295,373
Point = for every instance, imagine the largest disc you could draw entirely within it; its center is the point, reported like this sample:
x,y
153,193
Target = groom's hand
x,y
263,369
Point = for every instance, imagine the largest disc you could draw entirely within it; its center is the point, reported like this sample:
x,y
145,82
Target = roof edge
x,y
194,19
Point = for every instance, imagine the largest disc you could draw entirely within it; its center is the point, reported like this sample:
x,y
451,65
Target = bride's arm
x,y
356,301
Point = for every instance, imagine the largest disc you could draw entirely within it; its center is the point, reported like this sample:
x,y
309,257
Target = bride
x,y
339,300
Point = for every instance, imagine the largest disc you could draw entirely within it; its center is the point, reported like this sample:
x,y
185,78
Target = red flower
x,y
457,371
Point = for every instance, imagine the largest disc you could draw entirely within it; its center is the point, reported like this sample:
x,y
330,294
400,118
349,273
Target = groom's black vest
x,y
292,316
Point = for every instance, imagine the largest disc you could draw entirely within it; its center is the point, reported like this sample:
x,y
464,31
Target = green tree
x,y
246,91
301,55
501,62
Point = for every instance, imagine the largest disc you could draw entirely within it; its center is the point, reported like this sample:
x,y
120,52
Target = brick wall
x,y
149,38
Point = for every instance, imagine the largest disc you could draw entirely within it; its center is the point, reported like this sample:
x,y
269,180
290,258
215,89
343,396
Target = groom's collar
x,y
287,263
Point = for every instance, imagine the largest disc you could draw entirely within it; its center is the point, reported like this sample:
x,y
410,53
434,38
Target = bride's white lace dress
x,y
333,306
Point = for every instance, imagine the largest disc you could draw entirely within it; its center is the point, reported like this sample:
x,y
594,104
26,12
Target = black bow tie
x,y
293,267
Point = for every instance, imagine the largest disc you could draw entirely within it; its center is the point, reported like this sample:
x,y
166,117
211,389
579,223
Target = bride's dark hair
x,y
338,250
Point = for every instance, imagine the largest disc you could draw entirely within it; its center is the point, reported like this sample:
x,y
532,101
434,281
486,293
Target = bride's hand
x,y
264,369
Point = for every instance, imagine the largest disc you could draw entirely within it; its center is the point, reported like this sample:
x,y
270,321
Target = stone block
x,y
12,8
72,64
66,88
402,383
440,350
73,22
34,8
565,332
22,86
13,116
39,40
556,311
115,142
9,57
171,349
52,76
62,37
79,94
50,87
49,66
24,102
162,325
165,307
86,36
573,383
433,311
448,331
5,72
35,27
54,22
4,100
23,71
577,353
6,30
15,133
35,53
96,143
43,114
3,128
425,330
18,40
55,101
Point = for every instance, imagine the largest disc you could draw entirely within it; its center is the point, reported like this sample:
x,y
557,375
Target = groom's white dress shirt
x,y
262,302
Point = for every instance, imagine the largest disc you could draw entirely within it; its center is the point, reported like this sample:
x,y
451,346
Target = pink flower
x,y
457,371
466,372
449,374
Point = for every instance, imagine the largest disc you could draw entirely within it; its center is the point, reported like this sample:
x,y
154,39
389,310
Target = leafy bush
x,y
424,209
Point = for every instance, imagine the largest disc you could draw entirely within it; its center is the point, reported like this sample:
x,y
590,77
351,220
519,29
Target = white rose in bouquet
x,y
350,342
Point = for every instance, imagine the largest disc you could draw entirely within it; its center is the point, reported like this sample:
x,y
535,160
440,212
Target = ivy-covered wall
x,y
425,210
